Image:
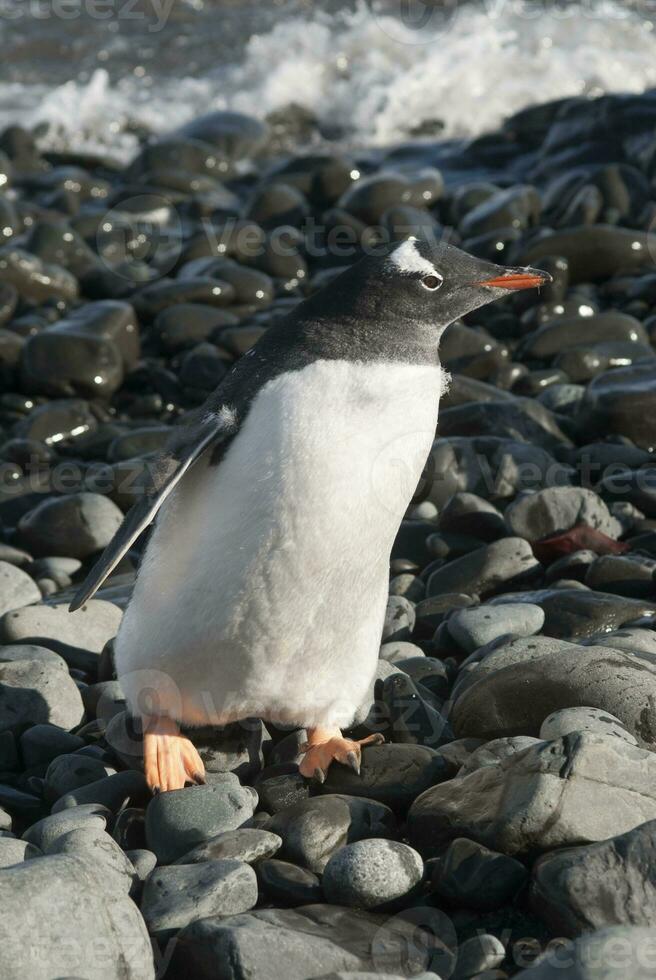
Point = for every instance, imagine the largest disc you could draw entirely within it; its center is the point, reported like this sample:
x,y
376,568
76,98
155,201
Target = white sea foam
x,y
369,75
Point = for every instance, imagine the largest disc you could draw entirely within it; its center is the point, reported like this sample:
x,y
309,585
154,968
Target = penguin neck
x,y
350,337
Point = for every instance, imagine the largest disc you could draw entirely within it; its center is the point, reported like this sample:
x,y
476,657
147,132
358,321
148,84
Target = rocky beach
x,y
507,825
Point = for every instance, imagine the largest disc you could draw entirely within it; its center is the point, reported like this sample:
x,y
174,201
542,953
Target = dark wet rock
x,y
516,207
288,885
233,134
497,567
370,873
574,790
13,851
142,860
111,320
562,399
492,753
472,352
175,896
395,650
638,640
313,830
566,332
15,556
186,324
410,543
69,772
179,820
611,680
74,915
282,785
581,364
79,356
411,587
622,401
399,619
64,419
9,761
78,637
598,951
154,298
276,204
636,487
46,831
16,588
244,844
473,628
467,513
478,956
102,855
580,719
524,420
202,370
505,652
578,614
627,575
138,442
432,612
573,567
593,253
538,515
33,692
369,197
428,673
296,943
392,774
495,467
471,876
605,884
409,715
114,792
322,177
237,748
34,280
74,526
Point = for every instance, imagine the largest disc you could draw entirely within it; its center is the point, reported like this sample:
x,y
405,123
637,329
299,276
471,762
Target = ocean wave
x,y
366,73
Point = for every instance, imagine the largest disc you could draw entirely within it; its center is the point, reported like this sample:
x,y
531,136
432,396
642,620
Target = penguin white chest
x,y
264,585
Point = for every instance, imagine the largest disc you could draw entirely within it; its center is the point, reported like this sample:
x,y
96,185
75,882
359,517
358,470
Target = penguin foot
x,y
326,745
170,759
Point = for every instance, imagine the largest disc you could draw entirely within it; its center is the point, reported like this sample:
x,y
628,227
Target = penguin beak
x,y
517,279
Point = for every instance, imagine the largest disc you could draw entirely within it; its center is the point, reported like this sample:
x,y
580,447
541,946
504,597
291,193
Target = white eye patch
x,y
408,258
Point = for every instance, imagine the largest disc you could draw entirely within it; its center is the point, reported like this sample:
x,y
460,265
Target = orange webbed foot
x,y
170,759
325,746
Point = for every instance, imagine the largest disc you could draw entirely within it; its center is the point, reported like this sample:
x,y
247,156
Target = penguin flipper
x,y
185,449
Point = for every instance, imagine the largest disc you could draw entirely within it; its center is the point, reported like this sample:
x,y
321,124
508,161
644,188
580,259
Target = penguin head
x,y
437,283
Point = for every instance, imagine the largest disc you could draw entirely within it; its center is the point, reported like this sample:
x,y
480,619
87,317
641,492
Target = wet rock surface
x,y
513,800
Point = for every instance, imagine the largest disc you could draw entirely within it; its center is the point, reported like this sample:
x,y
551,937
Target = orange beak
x,y
518,279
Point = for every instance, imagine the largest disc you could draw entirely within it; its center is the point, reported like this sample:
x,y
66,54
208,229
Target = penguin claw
x,y
326,746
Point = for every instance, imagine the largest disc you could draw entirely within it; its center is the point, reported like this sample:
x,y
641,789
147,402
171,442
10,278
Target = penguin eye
x,y
432,282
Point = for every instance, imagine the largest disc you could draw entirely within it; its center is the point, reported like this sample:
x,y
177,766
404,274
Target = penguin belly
x,y
263,587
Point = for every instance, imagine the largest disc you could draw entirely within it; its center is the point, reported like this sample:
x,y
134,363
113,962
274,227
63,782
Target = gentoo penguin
x,y
263,587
